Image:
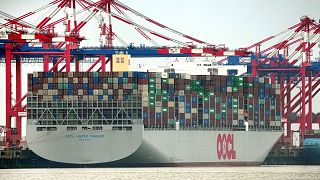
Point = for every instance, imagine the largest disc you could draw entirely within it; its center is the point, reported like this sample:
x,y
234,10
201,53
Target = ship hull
x,y
152,148
311,154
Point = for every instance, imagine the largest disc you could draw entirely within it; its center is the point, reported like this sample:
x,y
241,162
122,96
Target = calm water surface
x,y
264,172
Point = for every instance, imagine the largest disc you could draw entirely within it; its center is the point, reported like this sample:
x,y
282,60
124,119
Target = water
x,y
264,172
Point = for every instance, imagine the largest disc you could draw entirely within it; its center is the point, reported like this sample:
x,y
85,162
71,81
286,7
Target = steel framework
x,y
290,63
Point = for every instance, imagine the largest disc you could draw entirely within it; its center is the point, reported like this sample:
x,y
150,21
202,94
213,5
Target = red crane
x,y
296,50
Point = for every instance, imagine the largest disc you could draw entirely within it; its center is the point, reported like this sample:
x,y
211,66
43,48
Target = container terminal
x,y
211,106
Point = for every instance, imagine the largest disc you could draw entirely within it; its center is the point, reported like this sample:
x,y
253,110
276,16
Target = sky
x,y
235,23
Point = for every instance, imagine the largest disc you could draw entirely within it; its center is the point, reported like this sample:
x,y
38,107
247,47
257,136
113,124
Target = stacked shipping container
x,y
167,98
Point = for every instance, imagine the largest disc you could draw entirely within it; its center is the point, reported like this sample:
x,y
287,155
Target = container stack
x,y
167,98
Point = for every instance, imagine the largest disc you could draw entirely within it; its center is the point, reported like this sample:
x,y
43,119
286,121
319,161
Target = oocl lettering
x,y
225,147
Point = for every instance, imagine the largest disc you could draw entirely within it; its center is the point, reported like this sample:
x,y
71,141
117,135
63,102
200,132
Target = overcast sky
x,y
236,23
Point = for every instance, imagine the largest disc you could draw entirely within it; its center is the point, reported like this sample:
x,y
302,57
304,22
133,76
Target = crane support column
x,y
303,100
309,120
8,57
18,108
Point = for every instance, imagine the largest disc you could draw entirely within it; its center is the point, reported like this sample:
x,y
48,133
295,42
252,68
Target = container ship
x,y
138,119
311,149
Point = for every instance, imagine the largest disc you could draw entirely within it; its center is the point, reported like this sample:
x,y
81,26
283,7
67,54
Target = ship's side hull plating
x,y
139,147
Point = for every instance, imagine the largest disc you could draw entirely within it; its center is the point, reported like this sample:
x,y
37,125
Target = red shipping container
x,y
171,113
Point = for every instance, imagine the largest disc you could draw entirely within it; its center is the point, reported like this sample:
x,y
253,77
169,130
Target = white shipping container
x,y
205,116
35,74
194,110
188,116
170,104
80,92
272,123
164,75
145,98
229,89
105,86
144,87
235,122
250,122
145,104
144,93
261,80
95,92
